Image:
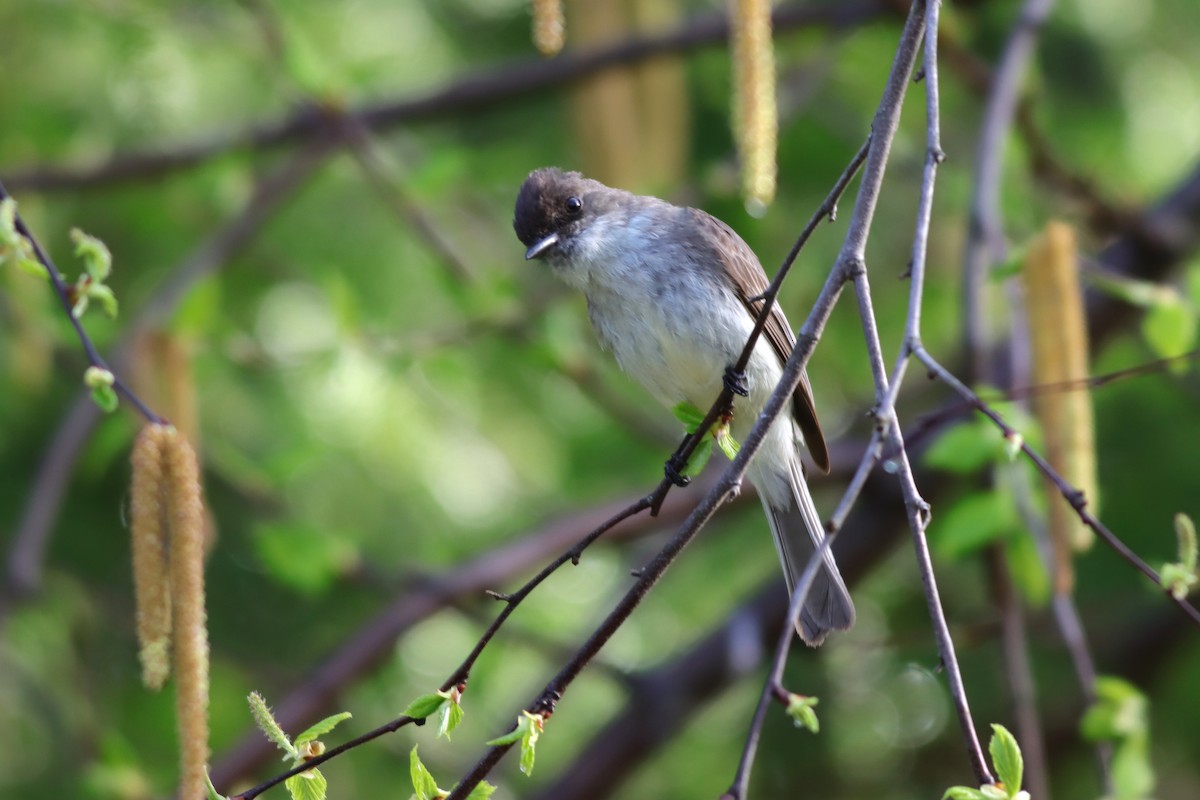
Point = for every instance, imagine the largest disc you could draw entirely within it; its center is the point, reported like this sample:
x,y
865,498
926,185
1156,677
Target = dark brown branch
x,y
375,641
486,88
27,551
63,293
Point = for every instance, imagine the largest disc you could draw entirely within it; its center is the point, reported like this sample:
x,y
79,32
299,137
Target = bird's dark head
x,y
552,208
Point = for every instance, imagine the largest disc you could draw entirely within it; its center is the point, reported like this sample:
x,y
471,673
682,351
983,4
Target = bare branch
x,y
1071,494
483,89
28,548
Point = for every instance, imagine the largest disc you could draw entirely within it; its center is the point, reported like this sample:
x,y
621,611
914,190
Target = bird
x,y
672,293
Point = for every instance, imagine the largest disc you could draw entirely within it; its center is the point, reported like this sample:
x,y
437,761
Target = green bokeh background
x,y
369,418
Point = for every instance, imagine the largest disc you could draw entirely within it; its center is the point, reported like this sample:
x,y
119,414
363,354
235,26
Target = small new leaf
x,y
963,793
1006,758
425,705
529,728
422,780
1185,530
729,445
97,260
213,794
699,458
309,785
800,709
482,791
1179,577
319,729
451,714
512,737
14,248
105,297
689,415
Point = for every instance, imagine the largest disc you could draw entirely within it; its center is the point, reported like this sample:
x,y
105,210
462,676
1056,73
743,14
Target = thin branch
x,y
383,175
1019,672
375,641
63,293
726,490
1074,497
852,267
28,548
486,88
985,231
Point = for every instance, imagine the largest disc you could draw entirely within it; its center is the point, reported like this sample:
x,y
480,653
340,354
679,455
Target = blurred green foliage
x,y
370,416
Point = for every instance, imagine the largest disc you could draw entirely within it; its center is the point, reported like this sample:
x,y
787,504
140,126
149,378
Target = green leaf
x,y
309,785
15,248
512,737
97,260
1185,532
800,709
105,397
963,793
689,415
1006,758
529,728
422,780
966,448
305,557
94,377
213,794
699,458
1177,579
1169,327
528,752
425,705
104,295
1119,711
319,729
1027,569
482,791
266,723
729,445
1132,773
972,522
449,718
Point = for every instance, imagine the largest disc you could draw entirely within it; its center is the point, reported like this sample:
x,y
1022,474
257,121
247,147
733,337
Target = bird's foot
x,y
673,469
735,381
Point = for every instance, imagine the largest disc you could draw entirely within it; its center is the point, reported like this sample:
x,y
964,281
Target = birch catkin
x,y
549,28
151,582
186,515
755,119
1058,336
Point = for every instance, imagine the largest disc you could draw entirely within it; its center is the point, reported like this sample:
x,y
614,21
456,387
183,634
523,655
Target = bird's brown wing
x,y
749,281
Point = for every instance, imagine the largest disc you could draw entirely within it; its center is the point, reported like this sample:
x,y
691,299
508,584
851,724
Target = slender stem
x,y
63,293
28,546
1074,497
1019,672
498,85
985,236
852,267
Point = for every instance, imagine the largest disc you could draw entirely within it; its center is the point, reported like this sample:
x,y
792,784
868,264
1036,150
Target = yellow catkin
x,y
755,116
549,28
151,579
1059,342
185,512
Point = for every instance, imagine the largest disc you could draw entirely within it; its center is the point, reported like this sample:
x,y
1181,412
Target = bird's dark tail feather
x,y
798,530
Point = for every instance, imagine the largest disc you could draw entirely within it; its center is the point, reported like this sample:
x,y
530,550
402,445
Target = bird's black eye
x,y
574,205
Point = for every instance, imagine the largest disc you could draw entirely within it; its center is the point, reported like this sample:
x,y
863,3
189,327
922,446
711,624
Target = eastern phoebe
x,y
671,293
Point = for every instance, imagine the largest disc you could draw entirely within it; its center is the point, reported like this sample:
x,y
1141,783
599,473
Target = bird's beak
x,y
541,246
